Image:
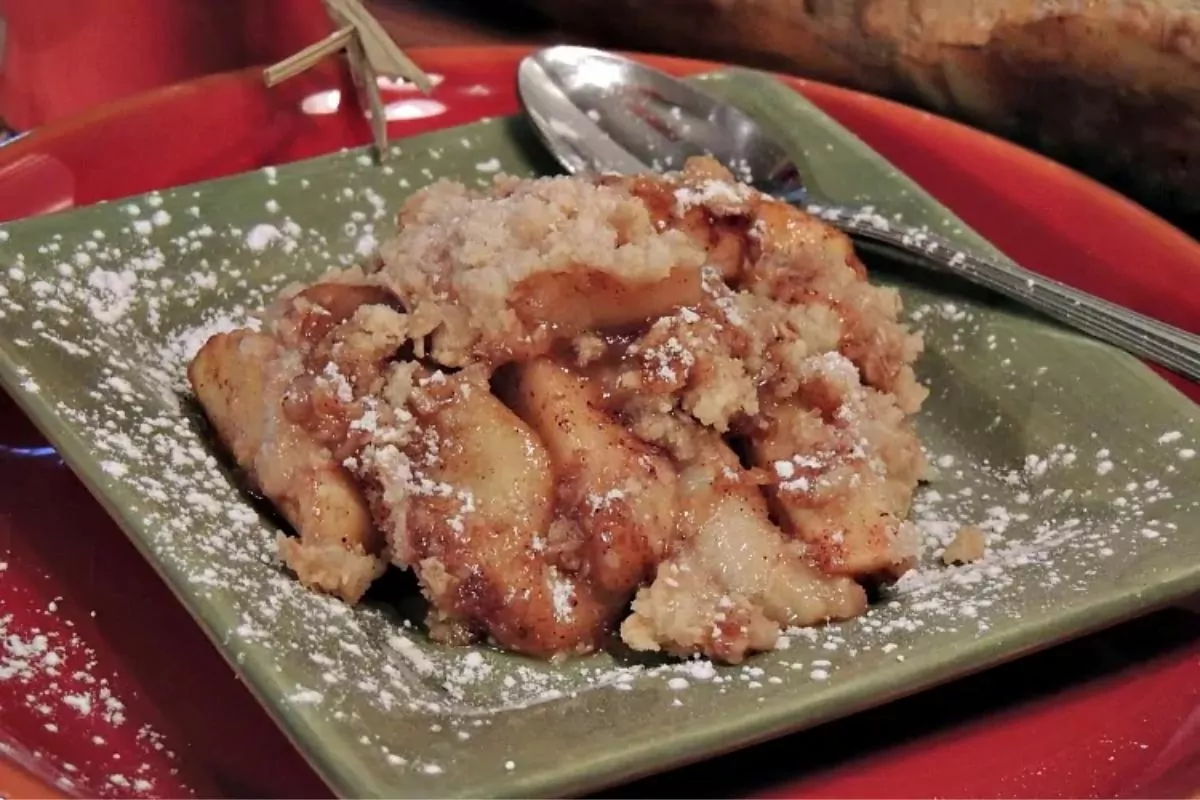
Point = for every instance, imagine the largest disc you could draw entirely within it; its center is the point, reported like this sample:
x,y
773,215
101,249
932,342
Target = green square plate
x,y
1076,459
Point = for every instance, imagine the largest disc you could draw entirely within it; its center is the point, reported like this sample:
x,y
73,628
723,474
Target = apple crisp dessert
x,y
665,406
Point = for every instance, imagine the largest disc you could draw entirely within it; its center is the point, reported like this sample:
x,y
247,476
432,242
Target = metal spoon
x,y
600,112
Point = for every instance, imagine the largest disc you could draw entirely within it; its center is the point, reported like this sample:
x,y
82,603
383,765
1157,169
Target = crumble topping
x,y
562,395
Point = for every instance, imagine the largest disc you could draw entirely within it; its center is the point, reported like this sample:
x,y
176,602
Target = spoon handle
x,y
1164,344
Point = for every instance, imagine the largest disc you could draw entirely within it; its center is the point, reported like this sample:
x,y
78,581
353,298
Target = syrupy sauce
x,y
312,399
316,409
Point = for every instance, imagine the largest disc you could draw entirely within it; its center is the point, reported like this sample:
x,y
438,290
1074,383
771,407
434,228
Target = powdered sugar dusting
x,y
262,235
51,674
127,309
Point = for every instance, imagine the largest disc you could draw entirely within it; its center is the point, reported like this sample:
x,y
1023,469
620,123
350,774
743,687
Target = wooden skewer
x,y
369,85
371,53
381,52
307,58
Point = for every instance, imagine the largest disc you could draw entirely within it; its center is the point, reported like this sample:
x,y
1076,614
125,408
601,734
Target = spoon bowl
x,y
657,121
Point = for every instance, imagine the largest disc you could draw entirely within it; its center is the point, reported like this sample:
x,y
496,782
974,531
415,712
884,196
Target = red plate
x,y
1114,714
